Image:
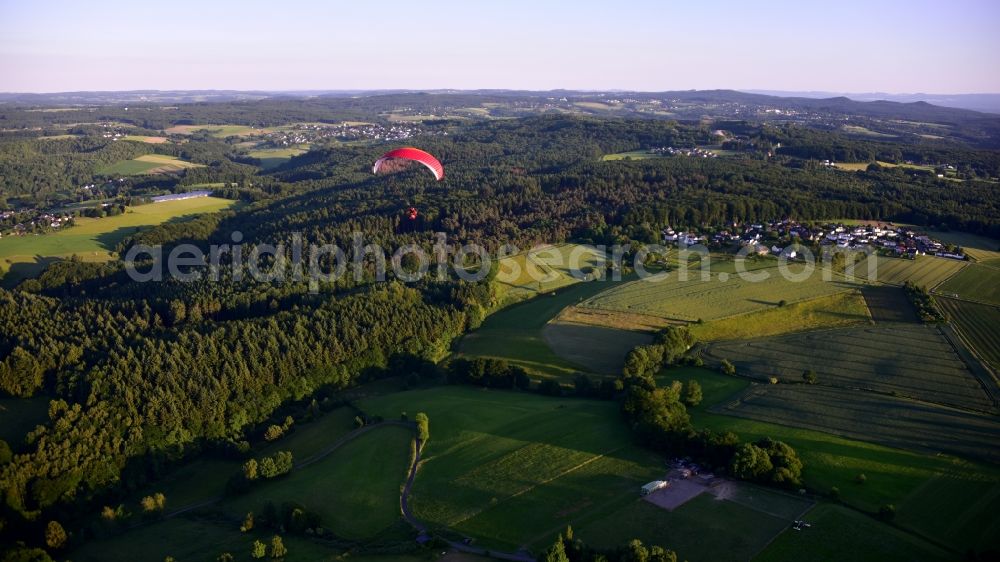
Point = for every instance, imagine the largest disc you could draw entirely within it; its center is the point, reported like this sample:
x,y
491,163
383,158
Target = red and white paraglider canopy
x,y
414,154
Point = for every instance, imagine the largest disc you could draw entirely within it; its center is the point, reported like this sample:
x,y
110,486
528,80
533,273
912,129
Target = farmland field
x,y
94,239
979,324
351,506
903,359
632,155
901,477
979,248
146,139
516,332
737,532
196,538
889,304
513,468
833,311
925,271
546,268
596,348
220,131
274,157
148,164
878,418
980,283
838,533
724,295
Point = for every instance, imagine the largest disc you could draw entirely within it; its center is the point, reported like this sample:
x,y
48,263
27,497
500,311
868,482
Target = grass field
x,y
979,248
596,348
205,477
889,304
737,532
979,325
545,268
148,164
903,359
190,538
274,157
977,282
94,239
723,296
833,311
838,533
513,469
18,416
901,477
632,155
882,419
220,131
354,490
516,333
146,139
925,271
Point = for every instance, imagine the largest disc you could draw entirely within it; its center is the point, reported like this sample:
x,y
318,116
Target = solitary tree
x,y
55,535
278,549
728,368
258,550
810,376
692,393
423,427
556,552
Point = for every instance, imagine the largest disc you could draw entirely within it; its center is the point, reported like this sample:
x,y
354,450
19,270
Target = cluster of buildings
x,y
695,152
13,223
777,237
680,469
314,132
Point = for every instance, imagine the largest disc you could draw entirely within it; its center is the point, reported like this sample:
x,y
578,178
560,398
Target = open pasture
x,y
94,239
596,348
274,157
546,268
905,478
720,296
197,538
220,131
977,282
145,139
883,419
833,311
925,271
838,533
904,359
737,531
889,304
978,324
513,469
515,333
354,490
148,164
632,155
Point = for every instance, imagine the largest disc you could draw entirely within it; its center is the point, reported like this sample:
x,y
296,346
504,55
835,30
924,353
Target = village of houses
x,y
783,235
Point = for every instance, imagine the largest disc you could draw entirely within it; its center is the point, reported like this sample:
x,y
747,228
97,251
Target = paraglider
x,y
409,154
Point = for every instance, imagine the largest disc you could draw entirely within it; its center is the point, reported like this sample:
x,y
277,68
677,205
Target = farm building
x,y
653,486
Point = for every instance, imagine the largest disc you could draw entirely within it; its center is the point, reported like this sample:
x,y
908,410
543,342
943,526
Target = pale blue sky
x,y
848,45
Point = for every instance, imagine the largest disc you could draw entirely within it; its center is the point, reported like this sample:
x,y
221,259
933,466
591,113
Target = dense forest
x,y
140,373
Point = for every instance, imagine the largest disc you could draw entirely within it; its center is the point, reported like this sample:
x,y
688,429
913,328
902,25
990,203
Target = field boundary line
x,y
540,483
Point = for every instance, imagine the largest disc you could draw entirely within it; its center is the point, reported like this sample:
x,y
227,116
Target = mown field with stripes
x,y
911,360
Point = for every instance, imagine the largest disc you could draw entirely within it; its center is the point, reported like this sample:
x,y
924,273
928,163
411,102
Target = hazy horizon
x,y
894,46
